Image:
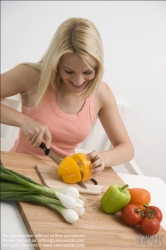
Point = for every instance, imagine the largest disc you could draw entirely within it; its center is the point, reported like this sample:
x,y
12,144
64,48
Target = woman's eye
x,y
88,72
71,72
68,72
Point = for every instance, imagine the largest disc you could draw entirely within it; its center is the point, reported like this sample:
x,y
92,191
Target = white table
x,y
13,228
12,224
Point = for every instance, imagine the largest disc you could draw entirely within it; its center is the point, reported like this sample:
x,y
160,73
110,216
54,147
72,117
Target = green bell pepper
x,y
115,198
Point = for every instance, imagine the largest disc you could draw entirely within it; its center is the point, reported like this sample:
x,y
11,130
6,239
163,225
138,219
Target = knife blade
x,y
56,159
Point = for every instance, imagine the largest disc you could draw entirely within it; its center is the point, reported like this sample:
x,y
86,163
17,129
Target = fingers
x,y
98,164
39,135
32,138
47,138
92,155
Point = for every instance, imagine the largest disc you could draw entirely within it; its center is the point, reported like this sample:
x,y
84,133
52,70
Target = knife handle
x,y
46,150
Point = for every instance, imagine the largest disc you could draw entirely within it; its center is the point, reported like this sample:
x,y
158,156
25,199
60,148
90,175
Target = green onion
x,y
8,195
24,177
33,198
68,214
7,186
17,187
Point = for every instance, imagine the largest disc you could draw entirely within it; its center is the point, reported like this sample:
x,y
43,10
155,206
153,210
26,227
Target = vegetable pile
x,y
17,187
133,203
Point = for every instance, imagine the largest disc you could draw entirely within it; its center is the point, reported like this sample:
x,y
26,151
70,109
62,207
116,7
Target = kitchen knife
x,y
56,159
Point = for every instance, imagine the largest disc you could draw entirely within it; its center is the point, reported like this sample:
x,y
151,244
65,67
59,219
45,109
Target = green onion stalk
x,y
17,187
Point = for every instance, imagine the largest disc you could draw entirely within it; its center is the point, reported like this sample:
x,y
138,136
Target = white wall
x,y
134,38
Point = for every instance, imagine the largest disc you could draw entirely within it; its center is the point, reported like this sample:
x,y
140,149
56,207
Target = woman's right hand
x,y
36,132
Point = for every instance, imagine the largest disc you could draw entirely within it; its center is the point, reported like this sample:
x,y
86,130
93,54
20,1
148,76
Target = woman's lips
x,y
78,86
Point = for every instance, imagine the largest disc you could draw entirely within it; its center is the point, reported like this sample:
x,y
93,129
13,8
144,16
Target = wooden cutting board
x,y
95,230
50,178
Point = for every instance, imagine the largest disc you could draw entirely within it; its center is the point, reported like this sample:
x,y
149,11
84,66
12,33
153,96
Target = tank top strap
x,y
92,108
36,108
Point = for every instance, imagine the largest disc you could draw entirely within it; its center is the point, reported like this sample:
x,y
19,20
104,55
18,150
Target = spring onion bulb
x,y
80,202
68,214
71,191
67,201
80,210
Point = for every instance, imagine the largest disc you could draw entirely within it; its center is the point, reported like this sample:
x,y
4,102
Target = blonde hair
x,y
74,36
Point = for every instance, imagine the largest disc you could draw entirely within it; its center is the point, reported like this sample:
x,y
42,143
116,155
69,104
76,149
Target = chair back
x,y
98,140
9,133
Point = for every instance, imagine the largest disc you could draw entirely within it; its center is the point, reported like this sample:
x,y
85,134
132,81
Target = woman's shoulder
x,y
27,72
22,69
104,97
104,92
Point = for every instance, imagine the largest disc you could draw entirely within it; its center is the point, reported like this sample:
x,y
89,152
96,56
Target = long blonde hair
x,y
74,36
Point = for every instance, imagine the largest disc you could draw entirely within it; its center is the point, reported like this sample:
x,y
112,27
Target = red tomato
x,y
150,226
131,214
153,211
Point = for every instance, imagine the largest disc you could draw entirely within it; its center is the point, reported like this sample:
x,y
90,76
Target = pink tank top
x,y
67,130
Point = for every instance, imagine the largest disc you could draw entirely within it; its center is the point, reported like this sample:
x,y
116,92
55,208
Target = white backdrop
x,y
134,39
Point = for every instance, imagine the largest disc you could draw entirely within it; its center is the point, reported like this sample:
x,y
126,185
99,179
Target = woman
x,y
61,96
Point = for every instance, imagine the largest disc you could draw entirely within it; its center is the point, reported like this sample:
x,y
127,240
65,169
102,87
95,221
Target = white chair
x,y
9,133
98,140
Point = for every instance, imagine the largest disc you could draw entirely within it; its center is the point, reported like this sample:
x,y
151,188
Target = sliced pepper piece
x,y
75,168
115,198
69,170
84,165
140,197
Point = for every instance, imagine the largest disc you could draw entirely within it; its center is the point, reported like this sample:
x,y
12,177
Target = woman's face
x,y
75,73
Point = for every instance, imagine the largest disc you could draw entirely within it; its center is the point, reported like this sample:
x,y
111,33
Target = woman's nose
x,y
78,80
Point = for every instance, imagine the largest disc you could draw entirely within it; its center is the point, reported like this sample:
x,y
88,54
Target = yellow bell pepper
x,y
69,171
75,168
84,165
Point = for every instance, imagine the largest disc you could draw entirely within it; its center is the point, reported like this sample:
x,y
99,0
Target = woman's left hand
x,y
97,160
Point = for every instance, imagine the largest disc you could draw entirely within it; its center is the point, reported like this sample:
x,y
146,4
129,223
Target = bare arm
x,y
17,81
111,121
13,82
